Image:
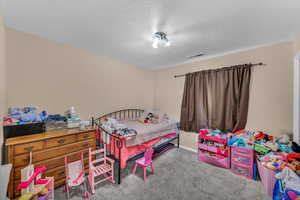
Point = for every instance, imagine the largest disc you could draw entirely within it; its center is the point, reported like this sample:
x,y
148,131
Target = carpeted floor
x,y
178,176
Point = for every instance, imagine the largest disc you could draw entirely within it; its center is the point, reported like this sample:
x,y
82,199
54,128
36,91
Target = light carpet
x,y
178,176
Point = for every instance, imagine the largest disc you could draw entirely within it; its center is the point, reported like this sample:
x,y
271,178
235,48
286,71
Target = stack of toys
x,y
25,115
213,148
273,155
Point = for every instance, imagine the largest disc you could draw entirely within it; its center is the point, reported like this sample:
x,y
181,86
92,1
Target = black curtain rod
x,y
256,64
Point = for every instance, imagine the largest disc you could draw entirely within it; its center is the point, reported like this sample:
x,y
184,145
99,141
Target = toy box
x,y
213,149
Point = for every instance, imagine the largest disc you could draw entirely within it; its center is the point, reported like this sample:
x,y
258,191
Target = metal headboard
x,y
121,114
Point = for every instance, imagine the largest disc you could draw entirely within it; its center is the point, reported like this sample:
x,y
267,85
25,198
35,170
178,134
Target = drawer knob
x,y
29,148
61,141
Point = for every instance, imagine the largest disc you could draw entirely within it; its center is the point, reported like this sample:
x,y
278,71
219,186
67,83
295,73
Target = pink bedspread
x,y
129,151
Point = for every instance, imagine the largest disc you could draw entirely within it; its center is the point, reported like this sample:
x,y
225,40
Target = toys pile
x,y
261,142
278,161
25,115
213,148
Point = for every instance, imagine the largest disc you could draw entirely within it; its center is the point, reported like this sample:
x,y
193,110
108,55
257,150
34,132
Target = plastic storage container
x,y
242,162
267,177
214,159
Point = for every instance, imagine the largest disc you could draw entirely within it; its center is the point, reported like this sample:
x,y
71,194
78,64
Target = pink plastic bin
x,y
242,170
214,159
242,161
267,177
213,149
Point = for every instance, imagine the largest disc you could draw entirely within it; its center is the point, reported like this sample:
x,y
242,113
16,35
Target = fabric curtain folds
x,y
216,98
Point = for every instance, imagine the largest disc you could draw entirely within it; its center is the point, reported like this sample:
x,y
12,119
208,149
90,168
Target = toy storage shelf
x,y
209,150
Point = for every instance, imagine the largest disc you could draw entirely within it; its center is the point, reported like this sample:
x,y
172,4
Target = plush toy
x,y
149,117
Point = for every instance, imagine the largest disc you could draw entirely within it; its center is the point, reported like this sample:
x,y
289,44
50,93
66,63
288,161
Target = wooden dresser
x,y
48,149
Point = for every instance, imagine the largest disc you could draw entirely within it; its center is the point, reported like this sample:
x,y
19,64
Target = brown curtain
x,y
216,99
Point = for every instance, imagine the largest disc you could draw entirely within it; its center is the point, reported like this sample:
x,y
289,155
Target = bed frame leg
x,y
178,135
119,168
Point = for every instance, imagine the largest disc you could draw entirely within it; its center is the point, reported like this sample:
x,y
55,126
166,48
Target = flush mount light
x,y
160,39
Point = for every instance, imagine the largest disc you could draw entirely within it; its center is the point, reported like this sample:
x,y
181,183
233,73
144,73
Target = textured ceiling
x,y
123,28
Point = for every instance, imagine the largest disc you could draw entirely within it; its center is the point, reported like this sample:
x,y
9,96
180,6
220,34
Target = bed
x,y
125,148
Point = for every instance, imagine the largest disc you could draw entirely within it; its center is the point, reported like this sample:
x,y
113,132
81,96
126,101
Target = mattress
x,y
149,131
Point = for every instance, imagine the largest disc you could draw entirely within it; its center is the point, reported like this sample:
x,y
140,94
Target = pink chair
x,y
100,167
75,176
144,162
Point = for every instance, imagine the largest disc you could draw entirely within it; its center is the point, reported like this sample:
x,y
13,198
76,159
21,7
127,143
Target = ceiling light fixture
x,y
160,39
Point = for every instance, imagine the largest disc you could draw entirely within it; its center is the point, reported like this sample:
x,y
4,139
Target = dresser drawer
x,y
59,173
23,160
60,141
85,136
25,148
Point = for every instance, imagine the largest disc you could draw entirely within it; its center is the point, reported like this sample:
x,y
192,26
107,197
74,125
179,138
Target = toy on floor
x,y
38,170
144,162
42,189
100,167
32,186
75,176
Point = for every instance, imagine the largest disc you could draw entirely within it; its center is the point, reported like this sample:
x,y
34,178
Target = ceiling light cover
x,y
160,39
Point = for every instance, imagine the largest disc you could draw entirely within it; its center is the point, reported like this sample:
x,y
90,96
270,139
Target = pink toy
x,y
144,162
100,167
209,149
75,176
38,170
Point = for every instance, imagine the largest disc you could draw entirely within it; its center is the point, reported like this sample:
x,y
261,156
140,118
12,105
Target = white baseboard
x,y
188,148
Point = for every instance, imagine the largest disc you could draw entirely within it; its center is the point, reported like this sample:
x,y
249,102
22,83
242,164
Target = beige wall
x,y
2,80
270,106
54,77
297,44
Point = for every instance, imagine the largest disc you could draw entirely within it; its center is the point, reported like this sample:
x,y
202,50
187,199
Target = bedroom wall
x,y
270,106
297,44
2,80
54,77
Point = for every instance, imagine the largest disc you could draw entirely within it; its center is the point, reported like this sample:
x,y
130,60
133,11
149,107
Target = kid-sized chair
x,y
100,167
144,162
75,176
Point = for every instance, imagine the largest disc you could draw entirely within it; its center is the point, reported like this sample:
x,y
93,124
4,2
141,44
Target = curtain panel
x,y
216,99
